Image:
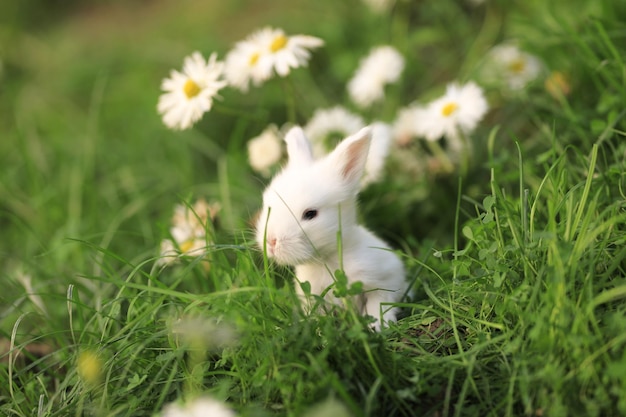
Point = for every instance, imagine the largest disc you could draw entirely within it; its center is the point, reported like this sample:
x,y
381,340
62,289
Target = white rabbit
x,y
310,206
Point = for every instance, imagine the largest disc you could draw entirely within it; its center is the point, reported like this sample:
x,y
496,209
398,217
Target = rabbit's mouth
x,y
287,252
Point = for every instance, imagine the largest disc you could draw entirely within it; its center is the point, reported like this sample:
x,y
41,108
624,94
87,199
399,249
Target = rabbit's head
x,y
310,201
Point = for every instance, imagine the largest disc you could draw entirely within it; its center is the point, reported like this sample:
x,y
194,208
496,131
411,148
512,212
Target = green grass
x,y
518,267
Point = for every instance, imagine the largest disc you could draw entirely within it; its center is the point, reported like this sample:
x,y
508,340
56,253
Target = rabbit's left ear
x,y
350,156
298,147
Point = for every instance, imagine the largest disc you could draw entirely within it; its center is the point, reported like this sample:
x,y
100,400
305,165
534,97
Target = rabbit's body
x,y
367,259
309,221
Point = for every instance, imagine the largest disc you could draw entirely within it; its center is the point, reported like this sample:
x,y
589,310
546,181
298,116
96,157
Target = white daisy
x,y
383,65
267,50
205,333
289,52
557,85
404,128
328,124
199,407
508,64
168,253
188,231
249,62
191,241
265,150
188,95
197,216
457,112
185,241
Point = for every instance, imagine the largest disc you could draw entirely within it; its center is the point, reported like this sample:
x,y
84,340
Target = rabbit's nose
x,y
271,242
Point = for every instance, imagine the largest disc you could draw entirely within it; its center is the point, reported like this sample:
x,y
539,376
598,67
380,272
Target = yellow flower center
x,y
557,84
89,367
278,43
517,65
186,246
191,89
449,108
253,59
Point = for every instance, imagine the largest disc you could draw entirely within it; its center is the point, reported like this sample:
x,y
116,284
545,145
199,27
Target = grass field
x,y
516,251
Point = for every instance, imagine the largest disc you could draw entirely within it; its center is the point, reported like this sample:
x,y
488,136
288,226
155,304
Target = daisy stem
x,y
234,111
466,151
290,97
441,155
196,358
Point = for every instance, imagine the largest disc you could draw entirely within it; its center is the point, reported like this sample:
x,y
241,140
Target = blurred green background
x,y
89,176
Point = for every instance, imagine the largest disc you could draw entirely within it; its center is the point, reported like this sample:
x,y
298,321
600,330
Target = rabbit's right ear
x,y
298,147
350,156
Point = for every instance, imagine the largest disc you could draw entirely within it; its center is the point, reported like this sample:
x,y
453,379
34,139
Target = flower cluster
x,y
453,116
269,52
444,124
189,231
190,93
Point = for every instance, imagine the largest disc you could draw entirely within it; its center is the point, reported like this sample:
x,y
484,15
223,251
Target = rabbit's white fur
x,y
308,204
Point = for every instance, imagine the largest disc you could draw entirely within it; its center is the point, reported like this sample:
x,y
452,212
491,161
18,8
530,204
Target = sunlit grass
x,y
518,268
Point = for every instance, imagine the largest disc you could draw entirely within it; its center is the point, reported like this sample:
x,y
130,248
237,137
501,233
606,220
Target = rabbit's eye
x,y
309,214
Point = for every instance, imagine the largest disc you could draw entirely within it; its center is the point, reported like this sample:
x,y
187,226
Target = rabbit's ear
x,y
298,147
350,156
